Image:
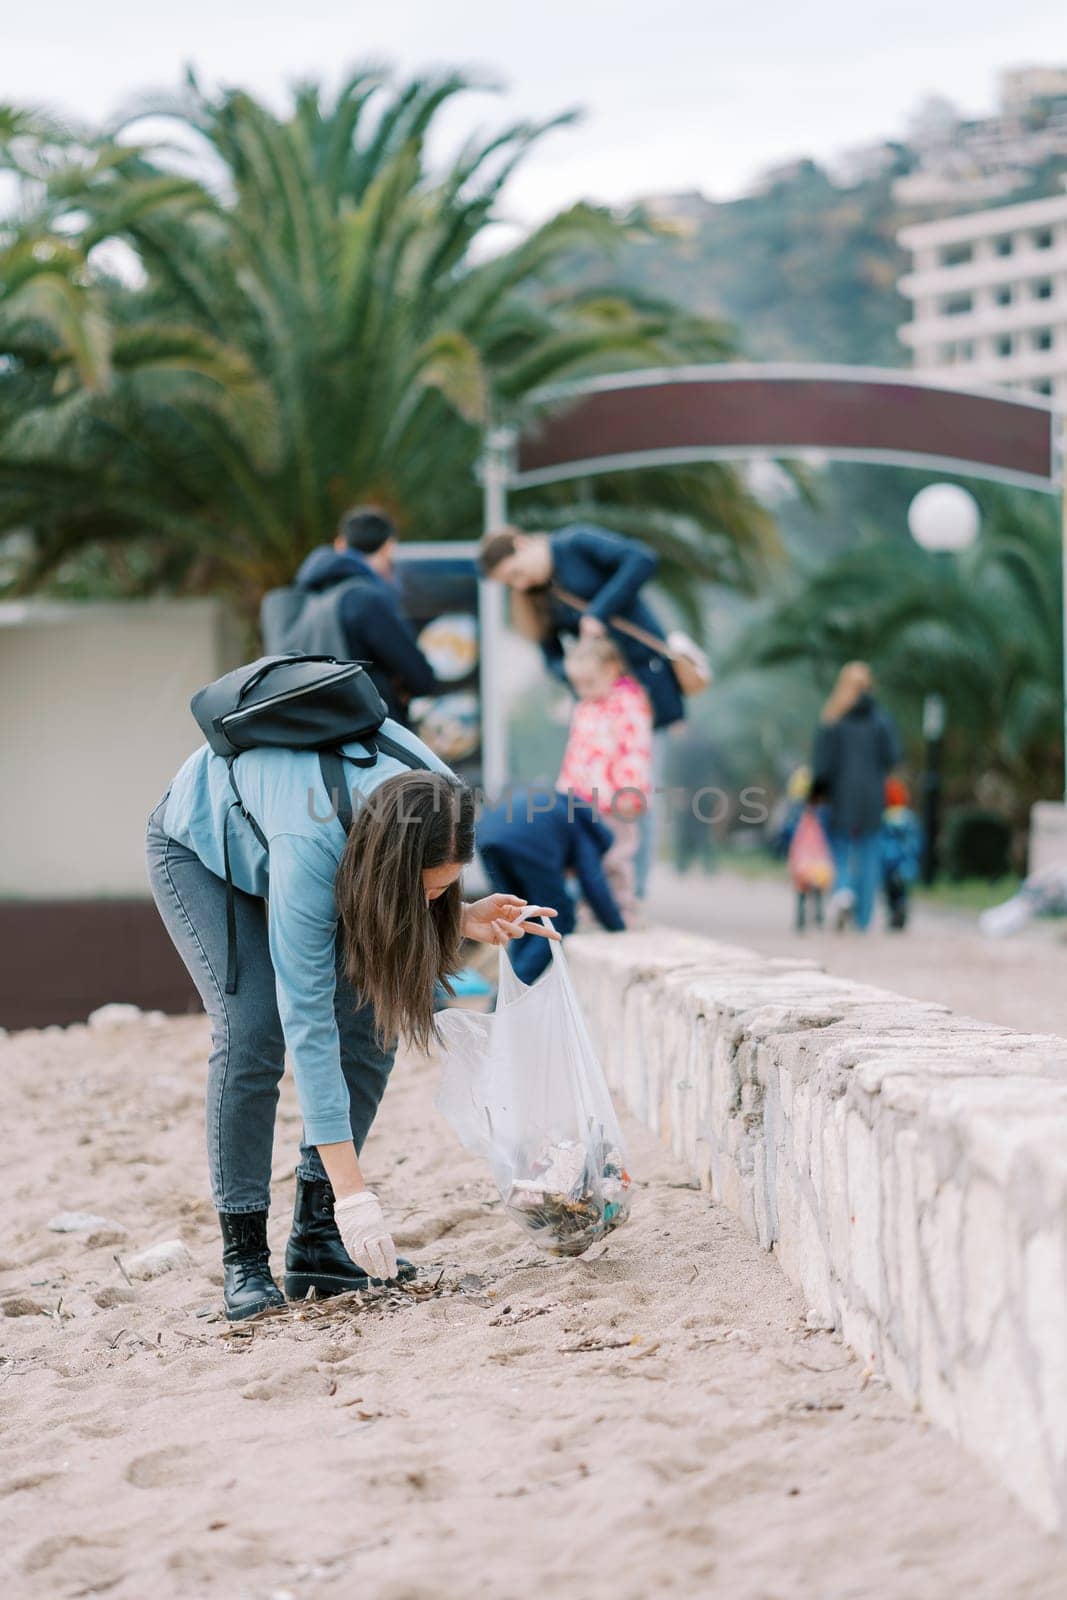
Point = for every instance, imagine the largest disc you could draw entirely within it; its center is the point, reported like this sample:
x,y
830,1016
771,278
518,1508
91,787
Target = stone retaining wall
x,y
907,1166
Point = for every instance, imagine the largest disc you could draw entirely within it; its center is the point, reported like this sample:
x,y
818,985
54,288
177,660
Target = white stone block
x,y
865,1210
985,1283
909,1167
1045,1319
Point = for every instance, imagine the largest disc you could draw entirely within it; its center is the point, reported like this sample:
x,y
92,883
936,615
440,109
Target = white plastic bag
x,y
523,1088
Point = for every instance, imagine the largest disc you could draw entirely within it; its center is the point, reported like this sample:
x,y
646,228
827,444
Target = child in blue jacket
x,y
534,838
900,839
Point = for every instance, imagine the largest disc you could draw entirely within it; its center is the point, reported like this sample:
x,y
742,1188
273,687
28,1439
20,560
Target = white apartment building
x,y
989,297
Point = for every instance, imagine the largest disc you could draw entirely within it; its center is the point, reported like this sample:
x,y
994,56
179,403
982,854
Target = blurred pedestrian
x,y
856,748
608,759
691,768
344,603
811,863
604,573
788,812
535,843
901,842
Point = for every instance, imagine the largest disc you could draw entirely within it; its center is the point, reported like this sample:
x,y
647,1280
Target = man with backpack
x,y
344,603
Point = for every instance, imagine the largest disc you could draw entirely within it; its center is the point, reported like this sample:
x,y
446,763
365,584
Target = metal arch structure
x,y
734,411
668,417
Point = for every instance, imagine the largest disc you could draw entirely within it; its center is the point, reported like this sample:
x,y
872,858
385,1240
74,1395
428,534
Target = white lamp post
x,y
494,471
944,519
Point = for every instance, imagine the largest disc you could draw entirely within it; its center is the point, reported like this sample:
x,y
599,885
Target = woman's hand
x,y
501,917
364,1235
591,627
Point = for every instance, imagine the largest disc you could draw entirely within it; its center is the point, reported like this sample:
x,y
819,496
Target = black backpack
x,y
293,702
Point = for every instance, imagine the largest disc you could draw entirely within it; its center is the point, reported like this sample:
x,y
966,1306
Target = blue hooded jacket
x,y
376,630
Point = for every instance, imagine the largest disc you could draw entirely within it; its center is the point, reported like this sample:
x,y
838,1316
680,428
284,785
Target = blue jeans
x,y
649,820
247,1047
858,866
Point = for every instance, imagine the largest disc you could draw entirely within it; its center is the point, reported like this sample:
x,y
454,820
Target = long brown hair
x,y
398,948
531,609
853,681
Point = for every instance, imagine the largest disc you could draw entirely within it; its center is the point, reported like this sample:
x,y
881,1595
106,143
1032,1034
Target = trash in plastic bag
x,y
522,1087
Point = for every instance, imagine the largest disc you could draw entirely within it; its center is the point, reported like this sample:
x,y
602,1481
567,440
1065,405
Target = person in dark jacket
x,y
606,572
600,568
856,748
535,837
374,627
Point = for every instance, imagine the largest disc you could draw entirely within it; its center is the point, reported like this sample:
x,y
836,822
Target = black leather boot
x,y
315,1258
248,1287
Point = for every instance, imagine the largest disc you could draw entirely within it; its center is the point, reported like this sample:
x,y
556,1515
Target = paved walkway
x,y
1020,983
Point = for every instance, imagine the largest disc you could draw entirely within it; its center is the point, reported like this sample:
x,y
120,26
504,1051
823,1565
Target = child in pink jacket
x,y
608,760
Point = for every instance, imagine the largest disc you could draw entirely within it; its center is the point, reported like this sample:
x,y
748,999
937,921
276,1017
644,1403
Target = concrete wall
x,y
907,1166
1048,836
94,722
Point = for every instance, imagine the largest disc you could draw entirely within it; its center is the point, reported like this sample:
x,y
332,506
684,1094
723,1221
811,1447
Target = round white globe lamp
x,y
944,518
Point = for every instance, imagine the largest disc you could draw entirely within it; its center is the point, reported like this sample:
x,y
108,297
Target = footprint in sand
x,y
404,1589
172,1468
69,1559
29,1480
200,1570
514,1352
335,1353
418,1231
97,1424
292,1386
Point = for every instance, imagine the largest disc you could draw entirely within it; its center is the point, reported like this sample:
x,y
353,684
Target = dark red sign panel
x,y
877,417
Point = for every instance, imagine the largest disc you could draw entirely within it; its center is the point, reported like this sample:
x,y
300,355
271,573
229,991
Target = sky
x,y
677,95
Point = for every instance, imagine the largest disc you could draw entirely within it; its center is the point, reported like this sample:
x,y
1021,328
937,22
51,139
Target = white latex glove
x,y
364,1235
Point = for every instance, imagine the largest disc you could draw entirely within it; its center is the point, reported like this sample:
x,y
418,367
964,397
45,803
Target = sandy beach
x,y
654,1419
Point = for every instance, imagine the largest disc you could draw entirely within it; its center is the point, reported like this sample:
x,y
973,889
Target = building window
x,y
956,351
1043,239
1042,385
957,305
1005,245
1003,295
957,255
1003,345
1041,339
1042,289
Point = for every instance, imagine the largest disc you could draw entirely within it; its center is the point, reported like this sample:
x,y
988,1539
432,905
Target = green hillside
x,y
804,269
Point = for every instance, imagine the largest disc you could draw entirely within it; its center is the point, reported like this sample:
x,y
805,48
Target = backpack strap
x,y
236,804
261,837
231,905
383,745
332,766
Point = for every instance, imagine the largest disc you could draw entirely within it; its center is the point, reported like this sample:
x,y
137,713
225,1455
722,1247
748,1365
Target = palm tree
x,y
984,630
205,356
